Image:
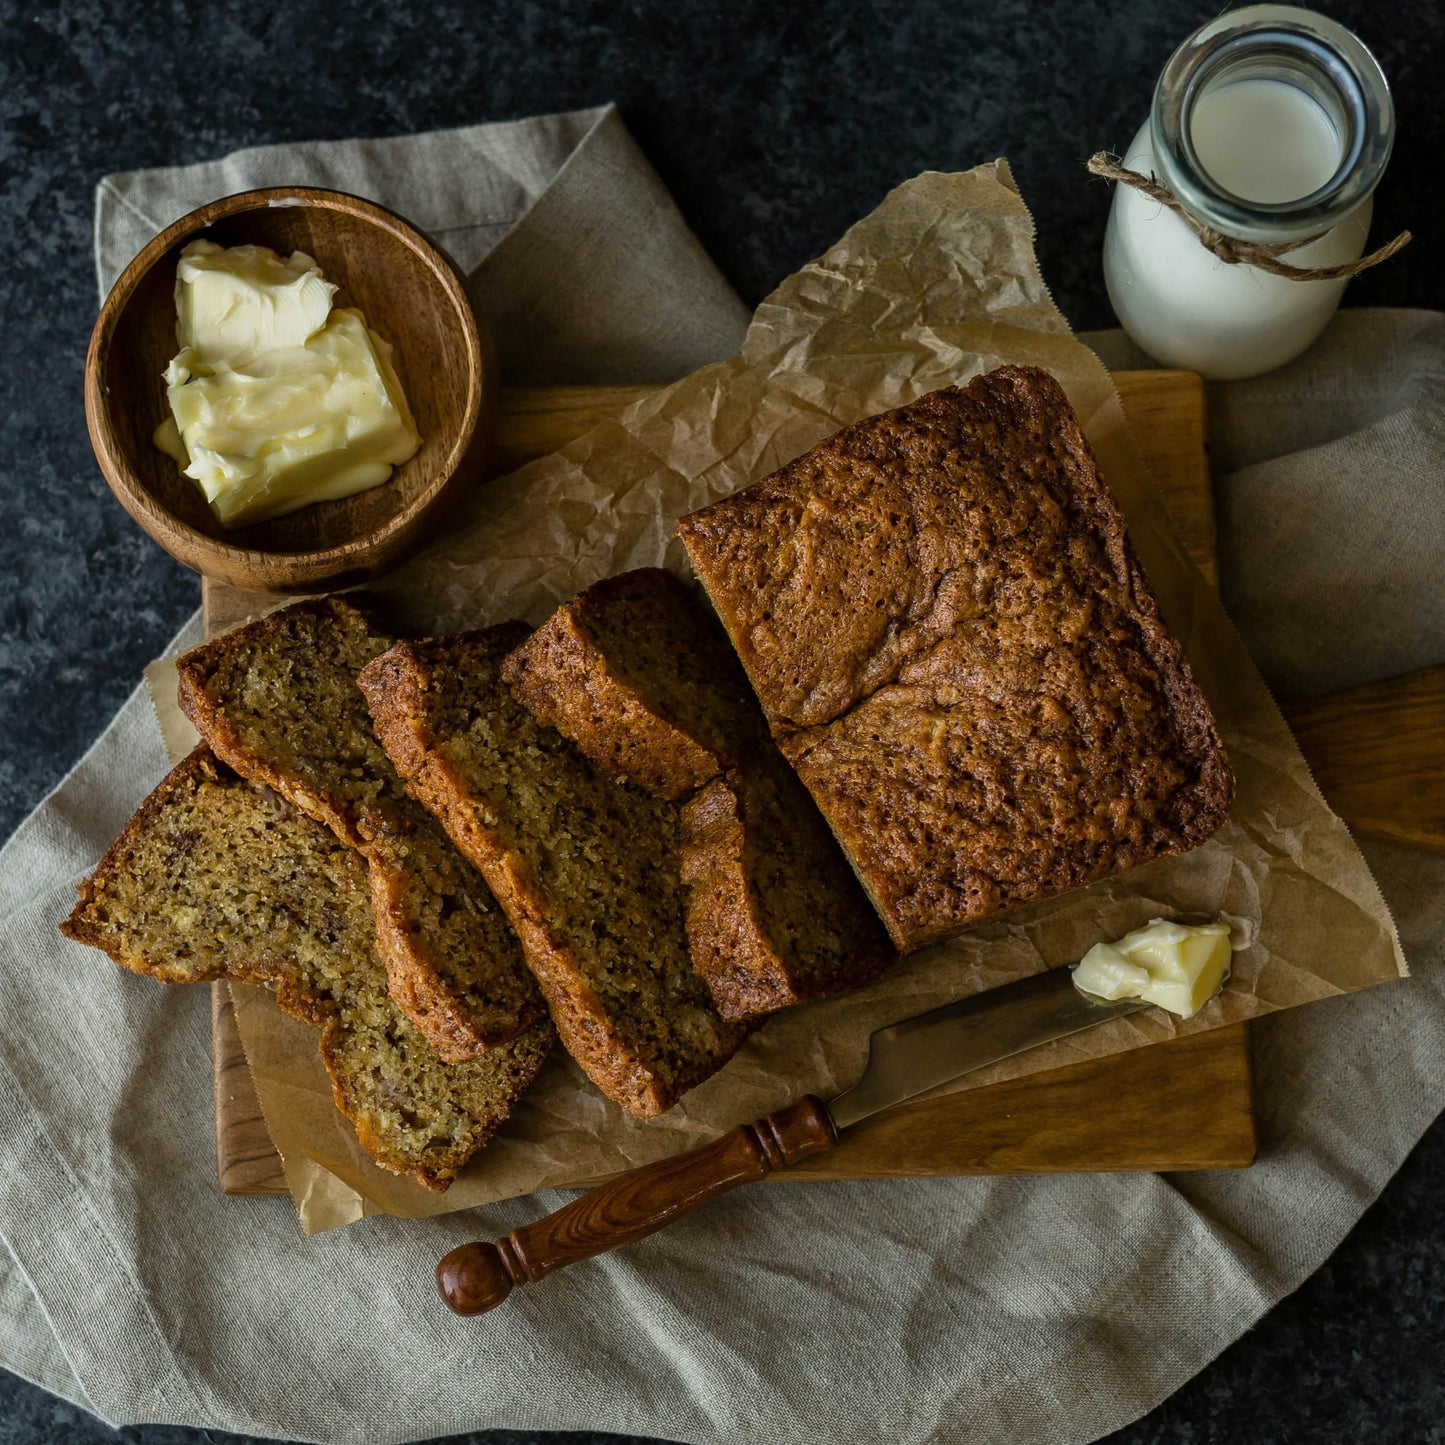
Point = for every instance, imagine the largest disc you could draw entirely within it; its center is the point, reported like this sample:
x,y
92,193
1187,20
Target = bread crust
x,y
959,652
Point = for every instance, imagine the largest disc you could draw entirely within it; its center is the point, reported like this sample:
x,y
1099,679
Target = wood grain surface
x,y
1378,754
1180,1105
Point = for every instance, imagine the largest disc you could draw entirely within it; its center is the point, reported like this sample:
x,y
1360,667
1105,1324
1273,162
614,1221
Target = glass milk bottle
x,y
1271,125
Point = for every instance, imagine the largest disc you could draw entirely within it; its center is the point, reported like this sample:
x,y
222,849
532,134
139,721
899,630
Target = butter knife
x,y
904,1060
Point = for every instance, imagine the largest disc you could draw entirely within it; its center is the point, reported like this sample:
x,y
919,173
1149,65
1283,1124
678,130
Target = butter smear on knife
x,y
1176,966
277,399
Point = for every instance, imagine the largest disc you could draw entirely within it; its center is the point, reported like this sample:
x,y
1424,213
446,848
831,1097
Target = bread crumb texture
x,y
278,701
217,878
584,864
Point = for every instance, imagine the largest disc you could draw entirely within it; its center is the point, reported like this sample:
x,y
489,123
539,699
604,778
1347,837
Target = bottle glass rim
x,y
1297,46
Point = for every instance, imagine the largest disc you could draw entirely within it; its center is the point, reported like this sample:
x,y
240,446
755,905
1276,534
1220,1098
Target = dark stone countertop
x,y
776,126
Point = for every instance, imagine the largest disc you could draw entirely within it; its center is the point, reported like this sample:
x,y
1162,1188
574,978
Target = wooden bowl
x,y
410,294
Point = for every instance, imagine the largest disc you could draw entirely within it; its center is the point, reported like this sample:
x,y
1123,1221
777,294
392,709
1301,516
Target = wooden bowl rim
x,y
164,526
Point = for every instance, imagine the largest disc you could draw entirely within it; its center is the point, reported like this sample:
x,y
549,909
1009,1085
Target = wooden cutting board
x,y
1180,1105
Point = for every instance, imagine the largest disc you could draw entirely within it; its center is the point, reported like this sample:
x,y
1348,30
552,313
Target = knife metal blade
x,y
919,1053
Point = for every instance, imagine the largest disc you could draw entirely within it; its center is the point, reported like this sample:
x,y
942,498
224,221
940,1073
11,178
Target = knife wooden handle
x,y
477,1277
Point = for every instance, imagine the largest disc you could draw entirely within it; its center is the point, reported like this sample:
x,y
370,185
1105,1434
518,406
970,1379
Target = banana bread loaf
x,y
216,878
277,701
584,864
637,672
956,647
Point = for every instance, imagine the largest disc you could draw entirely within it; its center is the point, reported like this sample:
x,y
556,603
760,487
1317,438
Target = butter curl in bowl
x,y
322,392
278,399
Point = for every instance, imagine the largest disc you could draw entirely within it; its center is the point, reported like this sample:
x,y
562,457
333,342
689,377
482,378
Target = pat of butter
x,y
277,400
233,306
1176,966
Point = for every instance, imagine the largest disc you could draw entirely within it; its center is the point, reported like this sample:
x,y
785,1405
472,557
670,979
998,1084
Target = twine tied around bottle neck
x,y
1244,253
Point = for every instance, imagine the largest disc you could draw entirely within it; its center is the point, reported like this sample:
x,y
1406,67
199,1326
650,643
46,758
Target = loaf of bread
x,y
216,878
957,649
277,701
584,864
637,672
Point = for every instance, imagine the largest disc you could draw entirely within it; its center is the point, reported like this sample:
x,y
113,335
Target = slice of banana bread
x,y
584,864
637,672
277,701
217,878
775,916
956,647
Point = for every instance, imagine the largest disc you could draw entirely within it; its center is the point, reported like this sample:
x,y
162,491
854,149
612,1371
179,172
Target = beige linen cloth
x,y
1038,1309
